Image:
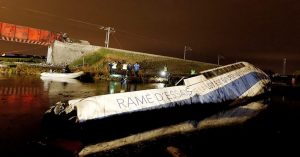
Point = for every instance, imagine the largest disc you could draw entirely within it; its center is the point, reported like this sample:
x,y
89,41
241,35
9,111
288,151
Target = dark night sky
x,y
262,32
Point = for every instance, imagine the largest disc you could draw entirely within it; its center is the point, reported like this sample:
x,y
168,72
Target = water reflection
x,y
112,87
24,99
22,104
64,80
120,87
125,87
20,91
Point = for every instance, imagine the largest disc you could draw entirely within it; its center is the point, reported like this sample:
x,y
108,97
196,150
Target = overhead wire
x,y
137,36
128,33
118,42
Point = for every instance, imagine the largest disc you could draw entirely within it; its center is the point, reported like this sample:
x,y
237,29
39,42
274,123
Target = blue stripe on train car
x,y
232,90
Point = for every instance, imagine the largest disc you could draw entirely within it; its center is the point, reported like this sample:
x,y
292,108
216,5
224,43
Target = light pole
x,y
284,66
220,57
186,48
82,58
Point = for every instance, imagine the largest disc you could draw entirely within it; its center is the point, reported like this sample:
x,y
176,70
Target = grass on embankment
x,y
22,69
150,65
23,66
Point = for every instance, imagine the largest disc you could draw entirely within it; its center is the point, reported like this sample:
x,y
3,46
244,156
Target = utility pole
x,y
108,31
186,48
284,66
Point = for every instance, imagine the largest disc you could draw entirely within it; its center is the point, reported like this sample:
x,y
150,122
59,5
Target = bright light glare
x,y
163,73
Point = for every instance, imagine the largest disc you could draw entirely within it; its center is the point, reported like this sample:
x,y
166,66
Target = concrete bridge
x,y
65,53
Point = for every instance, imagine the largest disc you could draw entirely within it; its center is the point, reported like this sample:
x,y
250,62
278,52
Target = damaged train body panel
x,y
231,83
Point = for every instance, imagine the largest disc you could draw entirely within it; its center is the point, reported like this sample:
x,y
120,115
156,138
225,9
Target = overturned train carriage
x,y
211,91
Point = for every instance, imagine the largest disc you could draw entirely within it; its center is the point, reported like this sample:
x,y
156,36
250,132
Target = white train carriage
x,y
232,83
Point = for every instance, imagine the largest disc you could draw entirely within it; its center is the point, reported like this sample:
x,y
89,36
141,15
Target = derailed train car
x,y
24,34
115,115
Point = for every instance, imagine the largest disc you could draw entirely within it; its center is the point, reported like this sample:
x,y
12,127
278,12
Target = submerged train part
x,y
213,89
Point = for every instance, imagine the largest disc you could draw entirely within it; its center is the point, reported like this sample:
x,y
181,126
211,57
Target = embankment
x,y
150,65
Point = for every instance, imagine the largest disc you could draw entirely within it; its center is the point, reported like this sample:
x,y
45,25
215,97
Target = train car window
x,y
223,70
211,74
219,72
214,73
241,65
205,75
236,66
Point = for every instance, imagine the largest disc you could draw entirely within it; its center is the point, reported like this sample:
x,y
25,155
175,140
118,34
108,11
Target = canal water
x,y
24,99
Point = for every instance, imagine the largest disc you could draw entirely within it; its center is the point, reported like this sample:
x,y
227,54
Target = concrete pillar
x,y
49,55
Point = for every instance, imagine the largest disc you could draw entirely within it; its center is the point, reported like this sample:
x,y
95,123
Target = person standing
x,y
110,65
114,67
165,68
136,68
66,69
124,69
128,69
